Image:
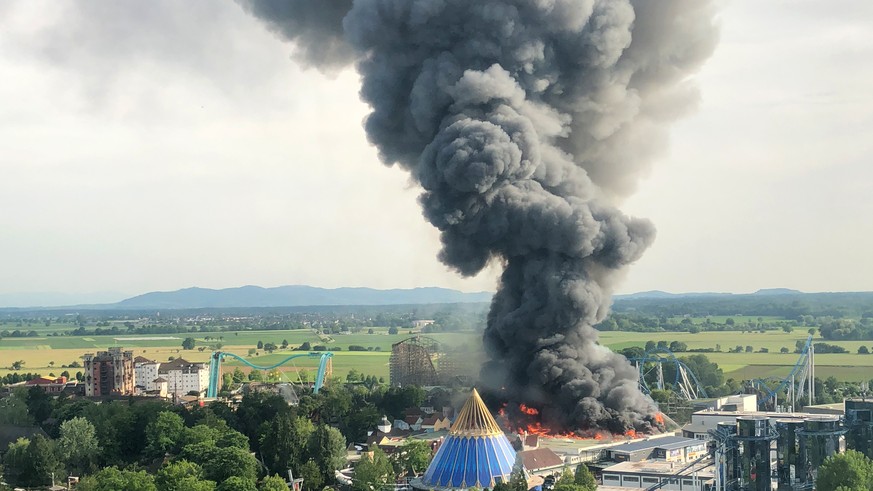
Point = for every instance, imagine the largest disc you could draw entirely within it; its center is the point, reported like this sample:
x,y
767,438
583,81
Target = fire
x,y
527,421
659,417
528,410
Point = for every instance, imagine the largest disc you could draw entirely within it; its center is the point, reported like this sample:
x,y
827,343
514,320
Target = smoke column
x,y
525,122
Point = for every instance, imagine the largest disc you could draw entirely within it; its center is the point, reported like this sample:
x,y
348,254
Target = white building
x,y
183,377
671,476
145,374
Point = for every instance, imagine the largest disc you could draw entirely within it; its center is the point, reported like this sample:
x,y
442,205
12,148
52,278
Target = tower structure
x,y
476,453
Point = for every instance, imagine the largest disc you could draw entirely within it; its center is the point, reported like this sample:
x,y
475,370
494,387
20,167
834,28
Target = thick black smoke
x,y
525,122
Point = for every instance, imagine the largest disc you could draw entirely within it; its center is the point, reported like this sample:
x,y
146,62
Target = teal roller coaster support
x,y
217,356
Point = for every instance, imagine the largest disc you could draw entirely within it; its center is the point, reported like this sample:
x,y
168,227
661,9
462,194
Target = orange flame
x,y
528,410
659,417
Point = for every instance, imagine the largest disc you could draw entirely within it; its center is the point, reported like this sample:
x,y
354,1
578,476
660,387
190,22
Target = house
x,y
51,386
541,461
145,374
184,377
435,422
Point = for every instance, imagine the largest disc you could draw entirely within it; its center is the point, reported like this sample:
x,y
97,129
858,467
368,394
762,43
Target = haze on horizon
x,y
176,145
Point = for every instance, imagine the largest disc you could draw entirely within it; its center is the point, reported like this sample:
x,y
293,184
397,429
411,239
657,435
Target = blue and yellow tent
x,y
476,453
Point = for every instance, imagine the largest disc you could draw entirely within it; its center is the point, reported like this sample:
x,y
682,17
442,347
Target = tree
x,y
584,478
188,343
311,475
284,344
392,330
18,364
850,470
328,448
749,349
306,346
13,409
260,344
284,445
784,350
863,350
39,404
237,483
238,376
412,458
78,446
164,434
373,471
113,479
273,483
787,329
182,476
41,462
15,462
220,464
270,347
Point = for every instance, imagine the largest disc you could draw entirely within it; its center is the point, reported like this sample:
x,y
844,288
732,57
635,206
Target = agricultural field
x,y
39,352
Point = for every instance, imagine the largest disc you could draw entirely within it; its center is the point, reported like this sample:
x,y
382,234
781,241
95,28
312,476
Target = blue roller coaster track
x,y
795,385
685,381
218,356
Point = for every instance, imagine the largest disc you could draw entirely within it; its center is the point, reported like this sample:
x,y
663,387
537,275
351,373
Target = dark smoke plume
x,y
525,122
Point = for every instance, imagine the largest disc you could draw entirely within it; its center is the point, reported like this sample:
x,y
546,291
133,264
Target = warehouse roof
x,y
665,442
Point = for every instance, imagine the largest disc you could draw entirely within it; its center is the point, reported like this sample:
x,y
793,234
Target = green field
x,y
39,351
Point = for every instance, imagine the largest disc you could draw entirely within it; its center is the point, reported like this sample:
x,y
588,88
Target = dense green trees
x,y
78,446
412,458
372,471
273,483
851,470
114,479
188,343
182,476
164,434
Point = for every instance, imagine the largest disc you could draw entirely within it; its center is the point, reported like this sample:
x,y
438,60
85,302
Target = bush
x,y
319,347
355,347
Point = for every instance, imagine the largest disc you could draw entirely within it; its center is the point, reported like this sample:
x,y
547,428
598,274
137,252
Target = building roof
x,y
703,470
540,458
476,453
159,380
10,433
532,441
665,442
143,359
42,381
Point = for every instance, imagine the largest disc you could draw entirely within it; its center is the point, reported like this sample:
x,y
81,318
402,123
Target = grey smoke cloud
x,y
525,122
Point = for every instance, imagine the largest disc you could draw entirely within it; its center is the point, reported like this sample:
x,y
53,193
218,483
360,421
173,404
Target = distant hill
x,y
295,296
658,294
777,291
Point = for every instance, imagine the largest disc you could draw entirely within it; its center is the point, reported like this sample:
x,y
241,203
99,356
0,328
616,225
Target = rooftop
x,y
665,442
704,470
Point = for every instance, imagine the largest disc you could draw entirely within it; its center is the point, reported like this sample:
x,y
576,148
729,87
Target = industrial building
x,y
669,476
109,373
668,449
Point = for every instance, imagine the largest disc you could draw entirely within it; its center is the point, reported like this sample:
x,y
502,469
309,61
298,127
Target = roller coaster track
x,y
796,384
685,382
218,356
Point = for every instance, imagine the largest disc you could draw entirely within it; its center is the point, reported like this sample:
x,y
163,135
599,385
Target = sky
x,y
179,145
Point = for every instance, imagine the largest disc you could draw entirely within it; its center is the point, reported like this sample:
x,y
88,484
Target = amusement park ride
x,y
795,387
324,368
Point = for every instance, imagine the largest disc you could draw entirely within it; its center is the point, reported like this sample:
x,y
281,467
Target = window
x,y
611,477
650,480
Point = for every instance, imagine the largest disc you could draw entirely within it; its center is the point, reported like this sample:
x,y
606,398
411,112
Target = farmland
x,y
38,352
